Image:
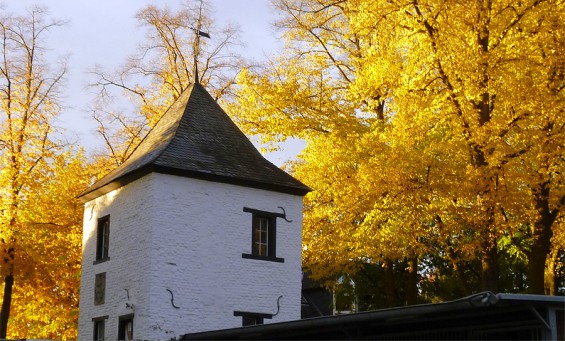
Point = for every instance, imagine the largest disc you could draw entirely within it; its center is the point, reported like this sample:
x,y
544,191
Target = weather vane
x,y
197,51
199,34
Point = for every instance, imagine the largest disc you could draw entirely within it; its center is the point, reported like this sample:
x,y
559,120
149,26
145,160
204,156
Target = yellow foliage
x,y
40,234
427,123
48,265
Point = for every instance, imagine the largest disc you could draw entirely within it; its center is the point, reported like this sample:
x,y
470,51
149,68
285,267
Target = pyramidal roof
x,y
195,138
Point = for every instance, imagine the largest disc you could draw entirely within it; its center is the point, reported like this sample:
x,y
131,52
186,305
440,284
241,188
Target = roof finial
x,y
196,51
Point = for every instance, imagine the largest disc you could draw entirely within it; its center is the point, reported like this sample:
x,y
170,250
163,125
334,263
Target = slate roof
x,y
196,138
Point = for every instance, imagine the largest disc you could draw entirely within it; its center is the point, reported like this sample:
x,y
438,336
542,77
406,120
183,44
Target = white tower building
x,y
195,231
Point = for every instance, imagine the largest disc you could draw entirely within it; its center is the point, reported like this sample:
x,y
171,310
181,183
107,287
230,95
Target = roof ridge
x,y
175,101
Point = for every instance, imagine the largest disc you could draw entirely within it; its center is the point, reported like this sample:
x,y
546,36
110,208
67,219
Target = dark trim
x,y
265,258
100,318
250,313
288,189
102,260
271,232
93,193
102,238
96,324
126,317
123,180
252,319
263,213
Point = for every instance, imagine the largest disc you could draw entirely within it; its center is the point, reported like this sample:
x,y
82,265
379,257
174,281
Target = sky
x,y
105,32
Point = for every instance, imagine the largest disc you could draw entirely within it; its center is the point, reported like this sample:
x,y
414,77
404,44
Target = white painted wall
x,y
188,235
131,217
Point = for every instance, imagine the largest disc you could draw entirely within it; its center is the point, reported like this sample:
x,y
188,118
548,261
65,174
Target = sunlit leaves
x,y
39,213
431,126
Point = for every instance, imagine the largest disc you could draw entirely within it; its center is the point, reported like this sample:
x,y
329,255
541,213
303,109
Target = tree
x,y
503,93
433,130
28,103
49,249
161,70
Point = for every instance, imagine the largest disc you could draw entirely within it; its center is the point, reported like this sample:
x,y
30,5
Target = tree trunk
x,y
390,287
541,245
6,305
461,277
412,282
536,267
489,265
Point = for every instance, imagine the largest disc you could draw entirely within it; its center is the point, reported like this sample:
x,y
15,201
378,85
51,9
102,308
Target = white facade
x,y
175,258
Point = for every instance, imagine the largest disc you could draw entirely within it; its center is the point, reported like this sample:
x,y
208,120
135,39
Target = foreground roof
x,y
483,316
196,138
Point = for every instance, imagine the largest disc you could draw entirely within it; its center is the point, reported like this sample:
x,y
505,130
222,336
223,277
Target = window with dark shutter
x,y
99,325
103,239
125,327
251,318
263,235
100,288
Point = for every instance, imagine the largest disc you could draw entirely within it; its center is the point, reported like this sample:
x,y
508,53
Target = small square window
x,y
100,288
251,319
125,328
263,235
103,238
99,324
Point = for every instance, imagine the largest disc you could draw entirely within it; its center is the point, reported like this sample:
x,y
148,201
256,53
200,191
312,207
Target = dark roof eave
x,y
138,173
307,328
281,188
94,192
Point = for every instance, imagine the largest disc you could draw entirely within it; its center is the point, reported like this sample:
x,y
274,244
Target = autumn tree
x,y
161,69
29,103
305,94
432,129
46,295
494,71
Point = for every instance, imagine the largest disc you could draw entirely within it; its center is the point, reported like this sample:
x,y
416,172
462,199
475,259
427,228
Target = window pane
x,y
263,239
99,288
99,330
257,235
248,320
125,329
106,239
260,236
103,238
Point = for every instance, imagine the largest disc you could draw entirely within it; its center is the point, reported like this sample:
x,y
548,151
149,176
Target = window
x,y
102,239
251,319
99,288
99,324
263,235
125,327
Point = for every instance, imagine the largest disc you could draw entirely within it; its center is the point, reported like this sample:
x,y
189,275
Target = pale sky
x,y
105,32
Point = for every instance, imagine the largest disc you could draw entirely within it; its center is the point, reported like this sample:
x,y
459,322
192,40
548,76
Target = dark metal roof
x,y
196,138
483,316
